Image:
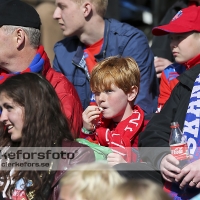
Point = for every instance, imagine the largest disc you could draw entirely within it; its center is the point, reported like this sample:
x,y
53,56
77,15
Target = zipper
x,y
107,32
81,68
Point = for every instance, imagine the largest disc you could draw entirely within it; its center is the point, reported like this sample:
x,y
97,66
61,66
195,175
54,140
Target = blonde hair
x,y
138,190
122,72
100,5
90,181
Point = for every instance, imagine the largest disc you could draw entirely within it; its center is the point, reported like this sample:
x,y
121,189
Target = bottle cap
x,y
174,124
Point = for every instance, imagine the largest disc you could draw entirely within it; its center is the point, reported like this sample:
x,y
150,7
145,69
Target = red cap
x,y
186,20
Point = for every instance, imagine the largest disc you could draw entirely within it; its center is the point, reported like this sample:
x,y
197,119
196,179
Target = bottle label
x,y
179,151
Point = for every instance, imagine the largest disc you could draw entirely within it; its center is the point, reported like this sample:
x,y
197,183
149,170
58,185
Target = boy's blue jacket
x,y
119,39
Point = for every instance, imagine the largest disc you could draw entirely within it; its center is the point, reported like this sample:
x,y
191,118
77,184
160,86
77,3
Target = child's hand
x,y
89,116
115,158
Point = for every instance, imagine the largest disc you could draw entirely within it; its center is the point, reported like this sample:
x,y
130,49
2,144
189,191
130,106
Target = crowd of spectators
x,y
67,73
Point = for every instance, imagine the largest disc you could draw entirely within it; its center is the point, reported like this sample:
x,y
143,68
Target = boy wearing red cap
x,y
182,106
183,30
161,44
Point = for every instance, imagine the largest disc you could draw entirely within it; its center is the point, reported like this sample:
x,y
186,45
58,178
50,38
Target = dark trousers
x,y
139,171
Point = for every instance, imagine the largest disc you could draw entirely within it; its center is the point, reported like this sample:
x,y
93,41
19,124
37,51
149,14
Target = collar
x,y
78,57
102,53
192,62
188,77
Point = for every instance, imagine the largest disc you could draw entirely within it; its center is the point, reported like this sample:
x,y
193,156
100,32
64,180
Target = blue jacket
x,y
119,39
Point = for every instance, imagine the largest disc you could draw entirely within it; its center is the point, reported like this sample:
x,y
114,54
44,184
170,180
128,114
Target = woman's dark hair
x,y
45,125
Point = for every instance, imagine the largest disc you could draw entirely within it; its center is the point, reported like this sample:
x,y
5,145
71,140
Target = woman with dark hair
x,y
31,115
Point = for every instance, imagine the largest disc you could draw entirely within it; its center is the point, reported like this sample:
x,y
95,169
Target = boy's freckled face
x,y
185,46
114,103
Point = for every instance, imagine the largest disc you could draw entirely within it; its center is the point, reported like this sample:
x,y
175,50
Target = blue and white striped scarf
x,y
191,130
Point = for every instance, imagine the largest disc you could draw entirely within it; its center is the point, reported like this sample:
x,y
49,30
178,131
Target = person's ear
x,y
19,37
133,93
87,9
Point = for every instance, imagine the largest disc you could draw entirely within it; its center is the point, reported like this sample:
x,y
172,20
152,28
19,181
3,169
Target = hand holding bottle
x,y
169,168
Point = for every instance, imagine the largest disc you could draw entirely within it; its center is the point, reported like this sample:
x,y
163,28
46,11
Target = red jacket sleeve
x,y
69,98
165,91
